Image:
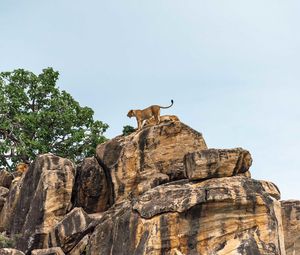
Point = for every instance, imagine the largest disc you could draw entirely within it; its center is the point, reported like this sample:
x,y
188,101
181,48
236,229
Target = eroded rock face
x,y
38,201
10,204
68,232
91,189
291,226
148,158
3,194
5,178
214,163
231,216
80,247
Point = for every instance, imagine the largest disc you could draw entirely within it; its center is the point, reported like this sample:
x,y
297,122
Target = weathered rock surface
x,y
10,251
157,191
49,251
38,201
212,163
5,178
91,189
3,194
68,232
231,216
10,204
80,248
291,226
147,158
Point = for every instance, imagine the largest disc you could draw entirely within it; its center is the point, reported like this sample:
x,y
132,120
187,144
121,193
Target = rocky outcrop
x,y
291,226
157,191
91,188
213,163
147,158
68,232
39,200
219,216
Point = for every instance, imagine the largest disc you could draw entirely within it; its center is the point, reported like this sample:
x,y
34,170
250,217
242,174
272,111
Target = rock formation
x,y
157,191
291,226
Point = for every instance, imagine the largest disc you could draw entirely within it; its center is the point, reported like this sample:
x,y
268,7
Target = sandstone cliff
x,y
157,191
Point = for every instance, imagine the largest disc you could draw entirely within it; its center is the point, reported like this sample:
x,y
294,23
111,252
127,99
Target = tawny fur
x,y
22,168
145,114
163,118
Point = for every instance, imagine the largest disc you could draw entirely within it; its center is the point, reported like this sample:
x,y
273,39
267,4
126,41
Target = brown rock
x,y
232,215
212,163
10,251
291,226
5,178
68,232
38,201
7,212
80,248
49,251
3,194
90,189
147,158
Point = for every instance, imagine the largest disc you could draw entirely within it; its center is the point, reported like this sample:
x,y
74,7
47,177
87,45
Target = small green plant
x,y
127,130
6,242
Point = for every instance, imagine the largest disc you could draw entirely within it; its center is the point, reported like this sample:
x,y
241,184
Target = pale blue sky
x,y
232,67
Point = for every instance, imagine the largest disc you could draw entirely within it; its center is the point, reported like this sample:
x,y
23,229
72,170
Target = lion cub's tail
x,y
167,106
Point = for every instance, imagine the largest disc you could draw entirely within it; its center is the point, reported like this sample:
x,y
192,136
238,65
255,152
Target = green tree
x,y
127,130
37,117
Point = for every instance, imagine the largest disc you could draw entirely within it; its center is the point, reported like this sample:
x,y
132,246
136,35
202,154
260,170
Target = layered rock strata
x,y
38,200
157,191
219,216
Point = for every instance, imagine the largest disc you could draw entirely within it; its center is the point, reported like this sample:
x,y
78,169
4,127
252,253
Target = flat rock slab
x,y
215,163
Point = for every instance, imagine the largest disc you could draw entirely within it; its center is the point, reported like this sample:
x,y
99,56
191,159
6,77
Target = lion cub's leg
x,y
156,114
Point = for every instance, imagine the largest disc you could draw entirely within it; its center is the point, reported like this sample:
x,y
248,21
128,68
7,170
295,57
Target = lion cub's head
x,y
130,114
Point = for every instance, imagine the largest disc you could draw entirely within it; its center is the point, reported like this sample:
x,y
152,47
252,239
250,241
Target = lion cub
x,y
163,118
145,114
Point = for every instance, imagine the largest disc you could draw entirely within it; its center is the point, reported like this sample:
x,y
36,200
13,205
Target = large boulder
x,y
214,163
91,188
70,230
147,158
232,215
38,201
291,226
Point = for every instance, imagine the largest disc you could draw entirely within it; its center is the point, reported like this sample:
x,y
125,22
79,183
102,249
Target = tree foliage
x,y
37,117
127,130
